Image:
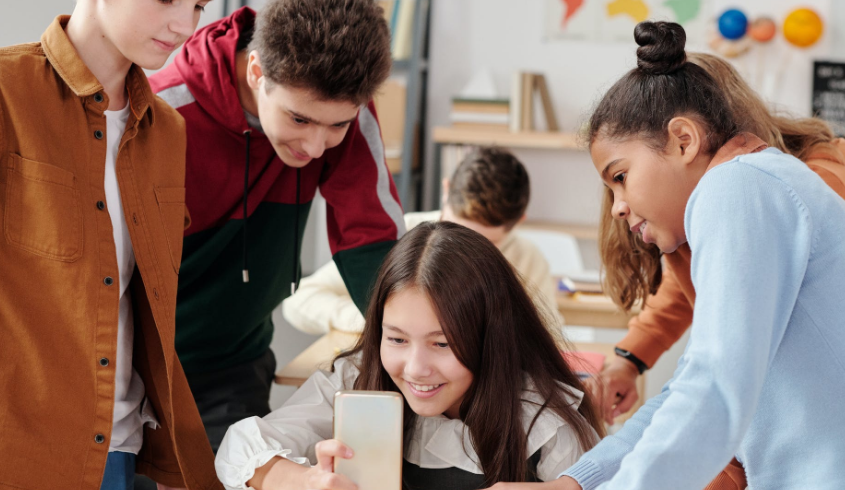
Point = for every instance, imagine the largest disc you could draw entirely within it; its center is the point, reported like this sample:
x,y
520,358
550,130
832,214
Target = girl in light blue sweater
x,y
763,375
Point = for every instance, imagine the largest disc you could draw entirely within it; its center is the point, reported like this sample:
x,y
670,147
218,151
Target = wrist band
x,y
641,366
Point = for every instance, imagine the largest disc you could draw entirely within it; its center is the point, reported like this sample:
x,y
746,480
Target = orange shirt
x,y
58,274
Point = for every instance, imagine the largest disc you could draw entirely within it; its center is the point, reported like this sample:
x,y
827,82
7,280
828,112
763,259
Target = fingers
x,y
330,481
628,400
328,450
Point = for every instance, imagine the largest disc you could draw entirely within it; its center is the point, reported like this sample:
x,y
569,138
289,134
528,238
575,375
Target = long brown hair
x,y
493,329
632,267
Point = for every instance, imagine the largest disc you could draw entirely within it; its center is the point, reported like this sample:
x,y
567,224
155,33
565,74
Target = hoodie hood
x,y
207,65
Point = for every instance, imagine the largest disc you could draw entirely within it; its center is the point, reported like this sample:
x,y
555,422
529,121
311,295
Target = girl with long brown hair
x,y
488,397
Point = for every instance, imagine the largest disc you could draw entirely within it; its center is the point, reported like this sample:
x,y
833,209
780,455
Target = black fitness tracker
x,y
641,367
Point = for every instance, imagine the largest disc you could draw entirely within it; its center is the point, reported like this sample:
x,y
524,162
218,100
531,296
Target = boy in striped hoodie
x,y
277,105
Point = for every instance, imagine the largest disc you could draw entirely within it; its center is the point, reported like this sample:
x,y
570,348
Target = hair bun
x,y
661,48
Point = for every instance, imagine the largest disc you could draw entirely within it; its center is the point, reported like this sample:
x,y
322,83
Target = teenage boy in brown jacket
x,y
92,194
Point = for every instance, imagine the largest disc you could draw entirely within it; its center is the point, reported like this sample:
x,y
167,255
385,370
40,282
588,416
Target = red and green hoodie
x,y
221,320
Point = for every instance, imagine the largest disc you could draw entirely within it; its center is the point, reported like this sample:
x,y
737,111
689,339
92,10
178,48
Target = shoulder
x,y
167,117
20,58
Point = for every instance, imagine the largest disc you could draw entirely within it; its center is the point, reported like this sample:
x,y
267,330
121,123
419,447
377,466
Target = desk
x,y
597,311
321,353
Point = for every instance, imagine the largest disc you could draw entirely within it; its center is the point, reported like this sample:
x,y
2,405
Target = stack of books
x,y
486,114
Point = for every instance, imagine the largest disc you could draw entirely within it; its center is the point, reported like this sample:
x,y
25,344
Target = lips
x,y
298,155
638,227
165,45
425,391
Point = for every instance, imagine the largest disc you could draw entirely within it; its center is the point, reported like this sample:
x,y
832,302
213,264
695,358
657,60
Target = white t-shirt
x,y
127,432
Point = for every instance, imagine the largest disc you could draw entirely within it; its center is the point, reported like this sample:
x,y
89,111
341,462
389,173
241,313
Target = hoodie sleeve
x,y
363,213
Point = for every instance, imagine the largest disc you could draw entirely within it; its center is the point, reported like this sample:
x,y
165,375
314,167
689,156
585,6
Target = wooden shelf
x,y
525,139
584,232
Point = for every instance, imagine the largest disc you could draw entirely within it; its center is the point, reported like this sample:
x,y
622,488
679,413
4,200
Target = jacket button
x,y
98,134
99,438
104,362
101,205
98,97
108,281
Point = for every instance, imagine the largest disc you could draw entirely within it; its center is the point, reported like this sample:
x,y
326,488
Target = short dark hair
x,y
340,49
490,186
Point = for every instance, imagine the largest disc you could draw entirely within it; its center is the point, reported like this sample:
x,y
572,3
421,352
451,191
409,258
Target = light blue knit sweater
x,y
763,376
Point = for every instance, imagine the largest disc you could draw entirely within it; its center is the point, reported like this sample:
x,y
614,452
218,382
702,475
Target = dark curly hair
x,y
340,49
491,187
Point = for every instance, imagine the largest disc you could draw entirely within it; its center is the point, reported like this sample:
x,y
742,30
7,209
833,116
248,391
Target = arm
x,y
737,327
363,213
291,432
322,303
664,319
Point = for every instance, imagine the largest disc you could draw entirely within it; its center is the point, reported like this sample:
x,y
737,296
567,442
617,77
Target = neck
x,y
102,57
246,95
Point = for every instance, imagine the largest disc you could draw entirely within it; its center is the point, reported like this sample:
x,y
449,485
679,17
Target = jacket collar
x,y
66,61
741,144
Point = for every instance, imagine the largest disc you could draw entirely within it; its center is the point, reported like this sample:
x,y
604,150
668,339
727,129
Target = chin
x,y
150,63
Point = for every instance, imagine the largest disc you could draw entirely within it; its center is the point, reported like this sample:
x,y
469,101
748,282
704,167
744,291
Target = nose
x,y
315,143
184,21
417,366
620,209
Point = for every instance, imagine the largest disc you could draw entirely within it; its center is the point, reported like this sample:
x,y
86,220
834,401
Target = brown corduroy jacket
x,y
59,276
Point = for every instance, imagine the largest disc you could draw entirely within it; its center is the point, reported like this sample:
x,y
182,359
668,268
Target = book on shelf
x,y
480,113
526,87
402,28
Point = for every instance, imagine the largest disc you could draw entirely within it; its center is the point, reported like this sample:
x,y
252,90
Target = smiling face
x,y
651,188
146,32
417,357
300,125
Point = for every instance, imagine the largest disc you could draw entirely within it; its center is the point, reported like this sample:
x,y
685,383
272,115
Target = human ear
x,y
254,73
685,139
444,196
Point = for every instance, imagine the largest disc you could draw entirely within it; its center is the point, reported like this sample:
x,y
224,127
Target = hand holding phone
x,y
370,424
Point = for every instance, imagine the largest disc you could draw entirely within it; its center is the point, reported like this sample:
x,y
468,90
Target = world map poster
x,y
614,20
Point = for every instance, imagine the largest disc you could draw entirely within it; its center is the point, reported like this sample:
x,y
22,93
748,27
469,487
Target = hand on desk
x,y
615,389
564,483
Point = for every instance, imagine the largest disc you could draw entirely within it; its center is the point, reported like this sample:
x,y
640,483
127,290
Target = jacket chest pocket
x,y
42,211
171,206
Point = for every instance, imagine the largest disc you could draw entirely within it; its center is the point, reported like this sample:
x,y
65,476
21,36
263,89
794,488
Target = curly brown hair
x,y
491,187
340,49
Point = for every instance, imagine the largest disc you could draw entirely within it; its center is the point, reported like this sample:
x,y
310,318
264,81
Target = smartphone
x,y
370,423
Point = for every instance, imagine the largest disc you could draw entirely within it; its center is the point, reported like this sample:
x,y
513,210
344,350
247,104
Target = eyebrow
x,y
302,116
435,333
605,174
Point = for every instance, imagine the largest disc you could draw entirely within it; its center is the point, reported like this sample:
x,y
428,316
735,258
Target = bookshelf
x,y
444,137
524,139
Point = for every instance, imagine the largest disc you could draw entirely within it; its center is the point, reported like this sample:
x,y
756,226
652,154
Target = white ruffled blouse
x,y
293,430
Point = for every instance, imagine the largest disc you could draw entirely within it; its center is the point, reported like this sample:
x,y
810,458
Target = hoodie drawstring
x,y
295,284
248,134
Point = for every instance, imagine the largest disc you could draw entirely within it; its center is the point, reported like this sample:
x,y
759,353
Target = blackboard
x,y
829,93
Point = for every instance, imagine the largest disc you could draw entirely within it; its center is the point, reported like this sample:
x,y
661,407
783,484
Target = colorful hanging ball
x,y
762,30
803,27
733,24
